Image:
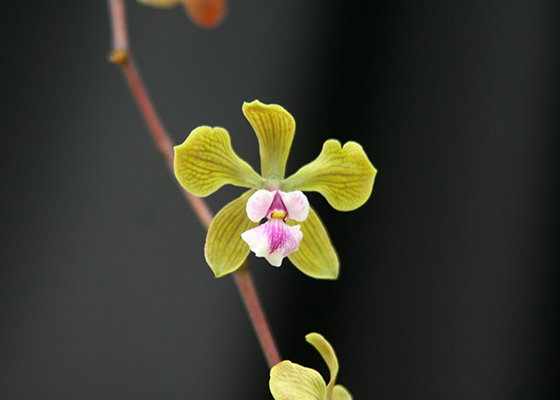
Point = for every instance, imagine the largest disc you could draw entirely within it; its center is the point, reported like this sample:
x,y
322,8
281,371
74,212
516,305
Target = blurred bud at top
x,y
205,13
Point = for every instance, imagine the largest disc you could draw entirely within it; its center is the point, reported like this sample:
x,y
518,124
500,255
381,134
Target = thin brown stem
x,y
121,56
254,308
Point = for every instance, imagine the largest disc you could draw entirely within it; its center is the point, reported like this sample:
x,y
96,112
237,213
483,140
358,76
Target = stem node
x,y
119,57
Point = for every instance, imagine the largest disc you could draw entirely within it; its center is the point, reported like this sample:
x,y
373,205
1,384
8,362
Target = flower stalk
x,y
250,297
121,55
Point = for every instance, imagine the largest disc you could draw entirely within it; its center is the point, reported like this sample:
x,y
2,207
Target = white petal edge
x,y
296,203
258,204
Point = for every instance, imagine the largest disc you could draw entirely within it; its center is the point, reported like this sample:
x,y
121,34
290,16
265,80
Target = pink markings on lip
x,y
273,240
279,237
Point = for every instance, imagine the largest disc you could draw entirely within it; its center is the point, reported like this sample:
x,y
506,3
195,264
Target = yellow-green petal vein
x,y
206,161
225,251
343,175
275,129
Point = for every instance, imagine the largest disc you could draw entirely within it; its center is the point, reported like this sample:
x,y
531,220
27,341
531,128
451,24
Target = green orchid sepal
x,y
160,3
291,381
275,129
206,161
224,249
316,256
343,175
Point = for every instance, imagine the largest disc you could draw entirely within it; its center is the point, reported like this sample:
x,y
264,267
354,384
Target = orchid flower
x,y
343,175
205,13
290,381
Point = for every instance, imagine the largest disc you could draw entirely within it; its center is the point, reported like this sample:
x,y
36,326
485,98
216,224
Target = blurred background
x,y
449,274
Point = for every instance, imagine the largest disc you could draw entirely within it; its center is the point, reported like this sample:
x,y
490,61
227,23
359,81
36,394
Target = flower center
x,y
278,214
275,239
277,209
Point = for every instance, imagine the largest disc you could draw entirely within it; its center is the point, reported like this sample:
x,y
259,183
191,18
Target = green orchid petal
x,y
290,381
225,251
206,161
343,175
327,352
160,3
275,129
316,255
341,393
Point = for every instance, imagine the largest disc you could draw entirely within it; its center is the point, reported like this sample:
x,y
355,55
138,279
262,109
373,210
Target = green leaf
x,y
290,381
206,161
275,129
343,175
225,251
327,352
316,255
341,393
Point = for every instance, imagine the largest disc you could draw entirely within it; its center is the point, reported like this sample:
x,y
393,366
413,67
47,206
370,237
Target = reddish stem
x,y
254,308
160,136
121,55
117,13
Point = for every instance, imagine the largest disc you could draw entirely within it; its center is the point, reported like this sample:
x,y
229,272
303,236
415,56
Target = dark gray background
x,y
449,273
